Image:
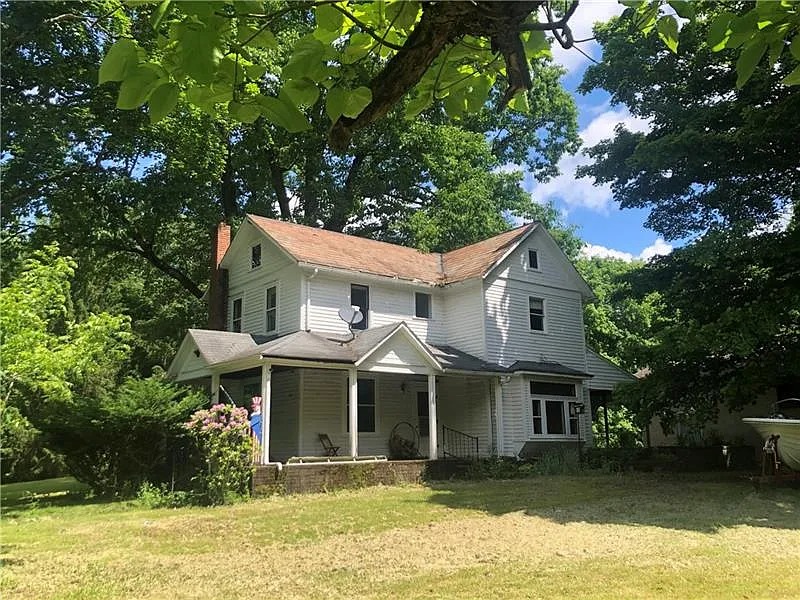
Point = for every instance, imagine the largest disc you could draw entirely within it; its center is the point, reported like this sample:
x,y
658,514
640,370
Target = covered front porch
x,y
323,396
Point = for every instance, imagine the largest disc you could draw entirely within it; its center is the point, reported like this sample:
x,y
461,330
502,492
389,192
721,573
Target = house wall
x,y
388,303
464,317
606,374
251,284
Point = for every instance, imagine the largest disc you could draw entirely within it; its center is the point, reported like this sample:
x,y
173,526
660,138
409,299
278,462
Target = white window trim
x,y
538,268
241,318
565,400
544,315
414,306
377,432
250,257
276,285
369,301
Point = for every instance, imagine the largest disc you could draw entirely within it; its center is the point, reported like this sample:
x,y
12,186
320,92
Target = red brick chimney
x,y
218,284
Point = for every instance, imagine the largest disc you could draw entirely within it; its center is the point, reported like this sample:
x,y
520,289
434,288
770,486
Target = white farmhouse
x,y
480,350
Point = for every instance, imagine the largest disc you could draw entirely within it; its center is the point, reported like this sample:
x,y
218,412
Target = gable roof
x,y
323,248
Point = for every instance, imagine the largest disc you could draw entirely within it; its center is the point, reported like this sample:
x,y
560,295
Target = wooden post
x,y
266,409
353,412
433,427
498,407
214,388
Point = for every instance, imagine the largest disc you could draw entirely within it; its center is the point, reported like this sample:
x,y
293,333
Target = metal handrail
x,y
457,444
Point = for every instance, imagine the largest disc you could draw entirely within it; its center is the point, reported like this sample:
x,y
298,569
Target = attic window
x,y
255,256
533,260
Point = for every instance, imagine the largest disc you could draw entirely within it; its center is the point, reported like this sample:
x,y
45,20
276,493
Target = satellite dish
x,y
351,315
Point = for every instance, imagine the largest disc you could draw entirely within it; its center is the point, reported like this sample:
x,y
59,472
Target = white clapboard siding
x,y
508,334
463,405
464,317
516,412
606,374
388,303
397,355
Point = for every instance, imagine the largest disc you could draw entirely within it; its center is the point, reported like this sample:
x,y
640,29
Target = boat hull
x,y
789,442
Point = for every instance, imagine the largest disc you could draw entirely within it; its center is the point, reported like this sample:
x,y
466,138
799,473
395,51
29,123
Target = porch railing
x,y
457,444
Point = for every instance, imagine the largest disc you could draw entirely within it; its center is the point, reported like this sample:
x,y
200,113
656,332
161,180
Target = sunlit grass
x,y
590,536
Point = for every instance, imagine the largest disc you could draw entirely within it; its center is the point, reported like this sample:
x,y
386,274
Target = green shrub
x,y
153,496
222,433
23,456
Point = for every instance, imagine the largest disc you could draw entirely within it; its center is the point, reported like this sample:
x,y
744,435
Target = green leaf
x,y
794,47
719,31
163,101
536,44
403,13
748,61
256,38
246,7
519,102
306,60
455,104
792,78
121,58
247,113
206,97
283,113
683,8
668,32
357,47
136,88
328,18
420,102
255,71
480,92
302,92
349,103
199,53
159,13
775,51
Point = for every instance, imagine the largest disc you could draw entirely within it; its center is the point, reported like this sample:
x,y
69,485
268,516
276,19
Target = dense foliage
x,y
223,435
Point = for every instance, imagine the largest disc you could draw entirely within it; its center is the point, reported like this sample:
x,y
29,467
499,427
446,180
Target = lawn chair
x,y
327,445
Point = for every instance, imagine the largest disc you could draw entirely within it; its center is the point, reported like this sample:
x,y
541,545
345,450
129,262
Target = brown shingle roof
x,y
340,251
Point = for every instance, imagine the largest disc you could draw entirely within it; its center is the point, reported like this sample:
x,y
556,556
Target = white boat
x,y
789,441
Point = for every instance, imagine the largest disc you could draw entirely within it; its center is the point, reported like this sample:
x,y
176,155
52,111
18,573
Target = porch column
x,y
214,389
266,409
433,427
498,407
352,415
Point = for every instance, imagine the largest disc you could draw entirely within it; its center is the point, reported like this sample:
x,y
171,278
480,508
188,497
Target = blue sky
x,y
607,230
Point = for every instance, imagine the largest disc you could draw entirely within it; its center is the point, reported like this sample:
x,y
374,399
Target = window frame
x,y
232,325
423,431
267,309
253,264
374,406
567,412
364,324
543,314
528,266
430,306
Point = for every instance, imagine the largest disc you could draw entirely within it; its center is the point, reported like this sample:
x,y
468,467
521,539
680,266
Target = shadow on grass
x,y
19,498
695,502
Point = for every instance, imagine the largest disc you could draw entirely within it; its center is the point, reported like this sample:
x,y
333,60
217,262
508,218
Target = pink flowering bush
x,y
222,434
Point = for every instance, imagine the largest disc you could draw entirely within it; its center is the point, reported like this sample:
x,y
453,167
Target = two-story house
x,y
482,347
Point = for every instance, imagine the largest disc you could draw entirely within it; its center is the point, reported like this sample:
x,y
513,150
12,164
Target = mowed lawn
x,y
590,536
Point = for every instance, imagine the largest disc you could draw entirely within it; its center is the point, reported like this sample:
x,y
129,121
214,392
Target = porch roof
x,y
218,348
546,368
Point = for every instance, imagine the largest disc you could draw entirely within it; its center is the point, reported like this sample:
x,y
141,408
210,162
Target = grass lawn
x,y
592,536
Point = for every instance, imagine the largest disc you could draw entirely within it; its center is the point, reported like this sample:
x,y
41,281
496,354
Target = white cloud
x,y
589,12
657,248
582,192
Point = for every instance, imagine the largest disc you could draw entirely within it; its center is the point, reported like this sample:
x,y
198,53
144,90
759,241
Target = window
x,y
422,305
255,256
423,416
554,415
366,406
272,308
533,260
359,296
536,307
236,316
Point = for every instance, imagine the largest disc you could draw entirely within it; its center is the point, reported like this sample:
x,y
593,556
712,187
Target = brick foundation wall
x,y
326,477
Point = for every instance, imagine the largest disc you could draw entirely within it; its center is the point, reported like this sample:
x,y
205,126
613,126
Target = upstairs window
x,y
422,304
533,260
536,310
359,296
272,309
255,256
236,316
